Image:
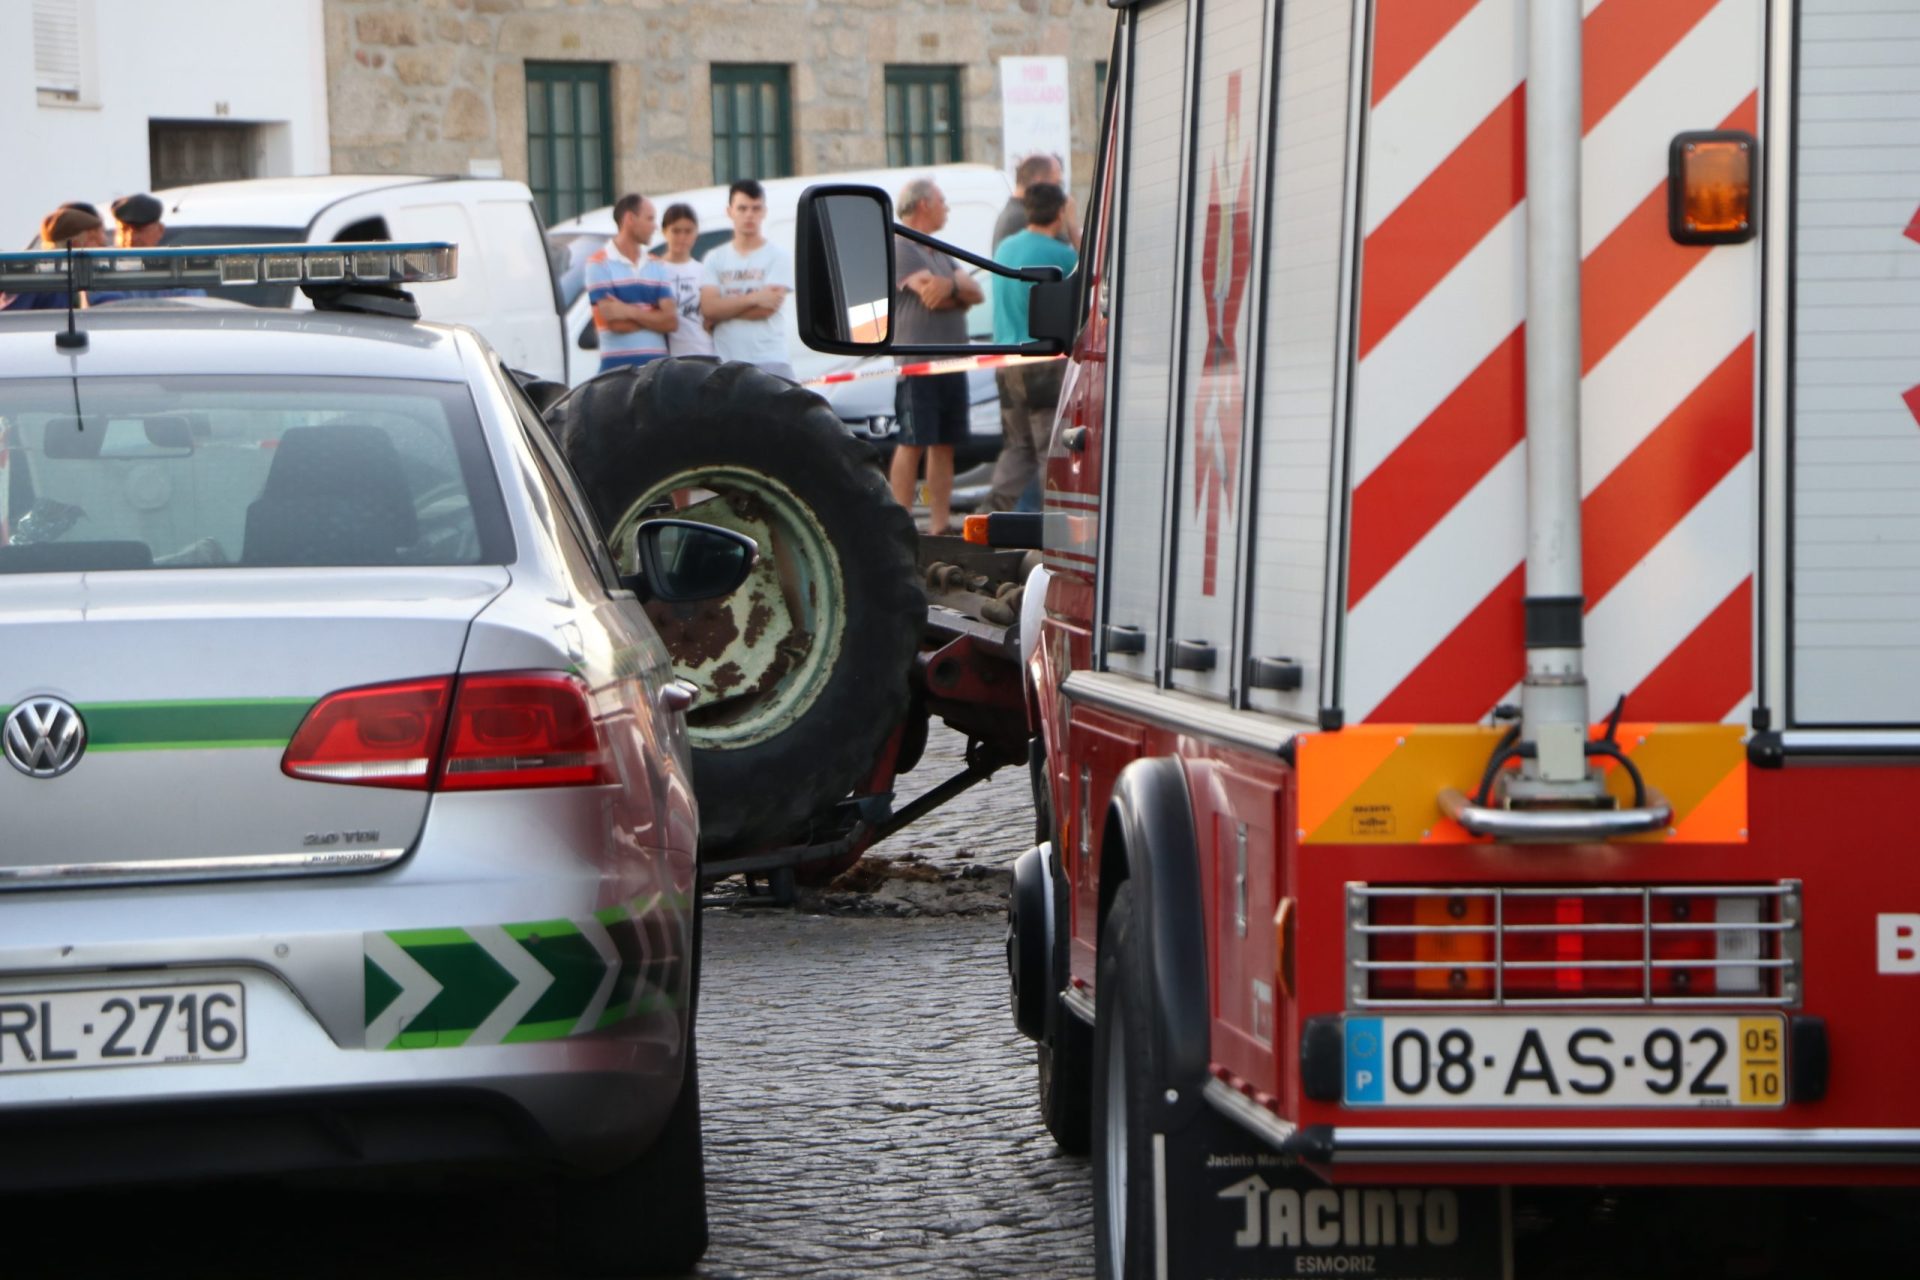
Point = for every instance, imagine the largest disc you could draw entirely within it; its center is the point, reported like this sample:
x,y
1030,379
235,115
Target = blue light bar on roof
x,y
216,266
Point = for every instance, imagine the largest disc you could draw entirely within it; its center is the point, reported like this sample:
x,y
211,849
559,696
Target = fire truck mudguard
x,y
1151,821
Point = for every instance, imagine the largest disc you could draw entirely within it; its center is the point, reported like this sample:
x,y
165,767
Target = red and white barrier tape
x,y
957,364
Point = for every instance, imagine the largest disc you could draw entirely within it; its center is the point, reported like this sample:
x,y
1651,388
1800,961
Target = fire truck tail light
x,y
1710,180
1413,947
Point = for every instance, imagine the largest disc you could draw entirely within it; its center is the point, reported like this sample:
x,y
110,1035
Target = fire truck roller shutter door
x,y
1151,815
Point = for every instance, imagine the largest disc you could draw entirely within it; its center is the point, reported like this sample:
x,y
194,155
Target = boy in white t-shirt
x,y
682,227
743,285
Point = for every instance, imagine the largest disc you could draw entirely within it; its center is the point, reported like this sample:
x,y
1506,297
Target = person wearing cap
x,y
138,226
139,222
66,227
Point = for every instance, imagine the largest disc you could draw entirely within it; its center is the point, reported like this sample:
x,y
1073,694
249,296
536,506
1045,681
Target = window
x,y
183,152
63,52
923,115
569,137
1099,89
578,533
752,121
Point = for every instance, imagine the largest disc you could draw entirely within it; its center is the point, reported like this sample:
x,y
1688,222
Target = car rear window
x,y
141,473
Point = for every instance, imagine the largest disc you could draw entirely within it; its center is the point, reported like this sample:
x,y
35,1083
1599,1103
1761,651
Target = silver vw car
x,y
345,816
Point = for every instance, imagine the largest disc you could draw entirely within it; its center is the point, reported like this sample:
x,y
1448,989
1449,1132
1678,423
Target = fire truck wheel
x,y
1123,1093
803,672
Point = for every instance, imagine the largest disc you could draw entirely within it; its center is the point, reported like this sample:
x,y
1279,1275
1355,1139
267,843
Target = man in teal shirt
x,y
1029,393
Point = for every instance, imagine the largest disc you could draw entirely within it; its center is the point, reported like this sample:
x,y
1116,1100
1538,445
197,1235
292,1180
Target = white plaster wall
x,y
265,60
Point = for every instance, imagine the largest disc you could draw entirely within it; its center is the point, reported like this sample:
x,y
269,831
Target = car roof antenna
x,y
72,339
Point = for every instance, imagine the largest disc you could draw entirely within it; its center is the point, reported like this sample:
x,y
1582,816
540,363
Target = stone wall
x,y
431,86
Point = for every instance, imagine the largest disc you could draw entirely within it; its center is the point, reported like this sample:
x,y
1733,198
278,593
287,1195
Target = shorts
x,y
934,410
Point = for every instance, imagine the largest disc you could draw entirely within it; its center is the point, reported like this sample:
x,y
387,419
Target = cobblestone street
x,y
888,1131
891,1131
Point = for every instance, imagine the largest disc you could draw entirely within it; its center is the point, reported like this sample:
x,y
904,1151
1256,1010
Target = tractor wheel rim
x,y
803,550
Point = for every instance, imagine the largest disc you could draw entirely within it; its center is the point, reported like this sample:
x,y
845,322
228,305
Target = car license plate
x,y
122,1027
1516,1060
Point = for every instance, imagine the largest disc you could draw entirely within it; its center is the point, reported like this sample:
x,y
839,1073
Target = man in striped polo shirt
x,y
632,293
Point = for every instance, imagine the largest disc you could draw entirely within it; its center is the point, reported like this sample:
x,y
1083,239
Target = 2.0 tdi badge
x,y
44,737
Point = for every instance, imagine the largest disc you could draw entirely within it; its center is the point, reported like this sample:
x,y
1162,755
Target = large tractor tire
x,y
803,672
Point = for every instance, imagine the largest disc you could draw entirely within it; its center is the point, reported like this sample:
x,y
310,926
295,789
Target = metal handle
x,y
1555,826
1194,655
678,694
1282,675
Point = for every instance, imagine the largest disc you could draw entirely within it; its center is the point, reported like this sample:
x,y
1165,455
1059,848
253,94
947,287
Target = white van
x,y
505,288
976,193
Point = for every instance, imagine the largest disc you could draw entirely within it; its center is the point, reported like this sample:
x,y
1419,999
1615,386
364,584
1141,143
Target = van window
x,y
366,231
259,295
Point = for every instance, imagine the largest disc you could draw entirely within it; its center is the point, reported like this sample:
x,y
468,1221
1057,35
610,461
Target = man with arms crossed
x,y
743,284
930,301
632,294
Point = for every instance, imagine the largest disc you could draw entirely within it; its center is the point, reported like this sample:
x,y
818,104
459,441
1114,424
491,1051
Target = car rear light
x,y
523,729
1666,944
481,732
385,735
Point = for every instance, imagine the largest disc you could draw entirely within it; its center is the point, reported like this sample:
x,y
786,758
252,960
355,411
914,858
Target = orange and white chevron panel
x,y
1381,783
1438,467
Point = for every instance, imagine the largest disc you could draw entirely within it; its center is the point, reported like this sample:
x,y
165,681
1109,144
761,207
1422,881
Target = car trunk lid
x,y
189,685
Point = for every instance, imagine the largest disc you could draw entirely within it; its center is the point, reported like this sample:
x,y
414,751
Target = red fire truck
x,y
1480,668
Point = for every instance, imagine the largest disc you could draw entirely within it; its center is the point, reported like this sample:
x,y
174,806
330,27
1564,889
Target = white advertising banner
x,y
1034,113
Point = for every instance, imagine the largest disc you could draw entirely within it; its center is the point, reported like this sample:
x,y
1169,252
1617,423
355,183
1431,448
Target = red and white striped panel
x,y
1439,497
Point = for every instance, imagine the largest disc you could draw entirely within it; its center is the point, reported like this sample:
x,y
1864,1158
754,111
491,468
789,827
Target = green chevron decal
x,y
506,984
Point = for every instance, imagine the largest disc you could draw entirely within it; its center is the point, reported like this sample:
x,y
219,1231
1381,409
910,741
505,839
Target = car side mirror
x,y
844,275
589,336
683,560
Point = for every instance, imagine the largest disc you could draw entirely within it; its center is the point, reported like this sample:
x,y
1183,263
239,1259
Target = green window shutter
x,y
569,137
923,116
752,121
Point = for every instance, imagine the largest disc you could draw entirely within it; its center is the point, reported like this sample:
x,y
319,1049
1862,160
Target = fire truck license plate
x,y
1568,1060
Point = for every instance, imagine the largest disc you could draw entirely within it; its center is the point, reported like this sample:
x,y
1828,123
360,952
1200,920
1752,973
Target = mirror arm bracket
x,y
1033,275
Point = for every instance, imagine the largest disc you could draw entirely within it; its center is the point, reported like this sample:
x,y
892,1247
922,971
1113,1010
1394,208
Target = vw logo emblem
x,y
44,737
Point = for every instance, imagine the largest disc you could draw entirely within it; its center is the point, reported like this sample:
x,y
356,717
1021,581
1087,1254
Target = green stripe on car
x,y
198,724
536,980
